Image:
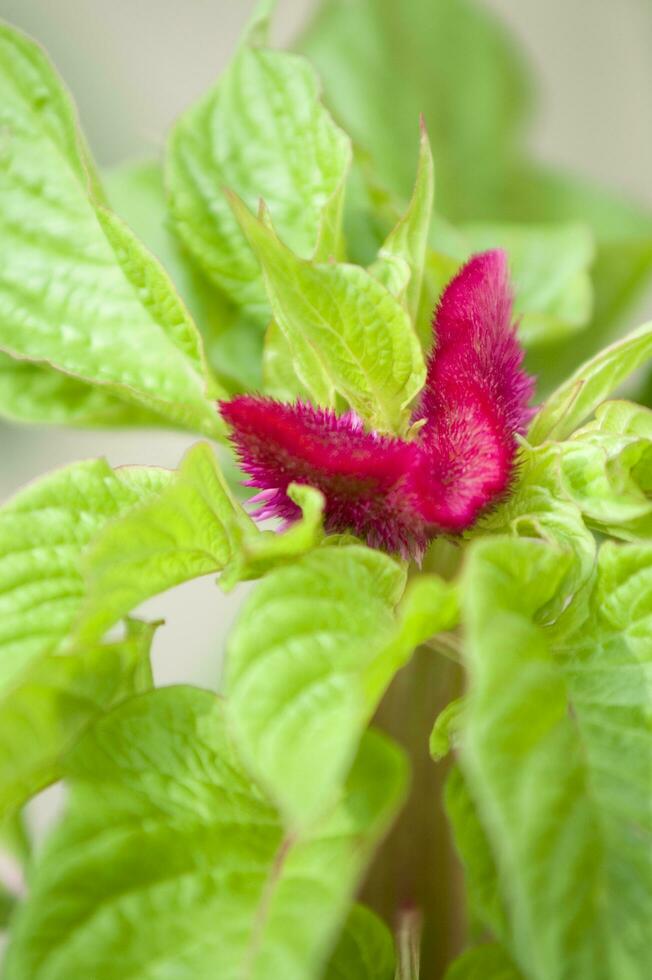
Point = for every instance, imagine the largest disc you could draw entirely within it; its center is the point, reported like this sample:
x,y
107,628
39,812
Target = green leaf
x,y
262,132
43,532
539,507
489,962
78,292
14,852
623,263
550,274
182,533
594,381
301,693
193,527
485,900
365,950
606,469
344,320
280,379
445,731
50,703
257,552
383,63
35,393
405,246
557,755
137,193
165,829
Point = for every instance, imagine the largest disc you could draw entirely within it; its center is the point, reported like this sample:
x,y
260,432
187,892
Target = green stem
x,y
416,872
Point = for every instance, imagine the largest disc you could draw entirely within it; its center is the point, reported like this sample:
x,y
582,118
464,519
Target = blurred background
x,y
134,65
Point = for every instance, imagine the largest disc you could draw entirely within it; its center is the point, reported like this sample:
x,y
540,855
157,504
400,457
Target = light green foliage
x,y
539,508
165,829
383,63
606,470
50,703
550,266
183,532
450,60
256,551
43,532
297,691
445,731
576,398
35,393
485,903
279,376
344,328
302,690
262,132
137,193
78,292
558,759
365,950
404,249
191,528
488,962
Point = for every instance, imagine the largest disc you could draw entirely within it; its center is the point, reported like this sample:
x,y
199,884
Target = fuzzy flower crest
x,y
394,493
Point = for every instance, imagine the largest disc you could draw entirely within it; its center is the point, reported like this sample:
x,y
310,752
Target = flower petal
x,y
361,474
398,494
475,398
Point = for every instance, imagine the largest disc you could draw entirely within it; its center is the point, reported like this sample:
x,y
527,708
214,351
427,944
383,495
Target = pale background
x,y
133,66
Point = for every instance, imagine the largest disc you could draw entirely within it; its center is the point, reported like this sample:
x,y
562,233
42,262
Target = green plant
x,y
229,836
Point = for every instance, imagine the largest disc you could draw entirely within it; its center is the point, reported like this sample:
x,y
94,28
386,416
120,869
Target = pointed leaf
x,y
549,727
340,315
489,962
78,292
164,827
408,239
365,950
301,695
262,132
43,532
48,706
594,381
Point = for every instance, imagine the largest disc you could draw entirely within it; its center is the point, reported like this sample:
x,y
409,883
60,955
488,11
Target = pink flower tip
x,y
394,493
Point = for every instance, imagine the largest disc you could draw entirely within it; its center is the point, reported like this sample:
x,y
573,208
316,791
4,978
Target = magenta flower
x,y
394,493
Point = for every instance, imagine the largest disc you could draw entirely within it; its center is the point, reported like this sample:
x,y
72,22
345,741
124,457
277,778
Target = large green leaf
x,y
345,320
365,950
623,263
557,755
488,962
191,528
171,862
182,533
539,507
77,291
576,398
448,59
404,249
382,63
262,132
43,531
36,393
302,691
136,192
606,470
49,705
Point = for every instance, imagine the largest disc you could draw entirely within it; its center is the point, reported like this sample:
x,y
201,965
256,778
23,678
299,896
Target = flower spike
x,y
394,493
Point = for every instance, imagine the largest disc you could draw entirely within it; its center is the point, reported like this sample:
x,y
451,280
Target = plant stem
x,y
416,872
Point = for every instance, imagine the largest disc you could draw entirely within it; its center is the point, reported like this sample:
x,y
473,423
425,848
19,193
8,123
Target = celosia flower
x,y
394,493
